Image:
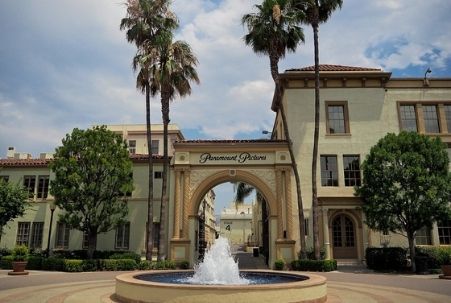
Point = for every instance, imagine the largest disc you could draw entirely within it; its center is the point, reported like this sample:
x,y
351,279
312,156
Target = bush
x,y
5,252
314,265
6,262
90,265
386,258
118,264
126,255
279,264
34,262
145,265
20,253
53,263
183,264
437,256
72,265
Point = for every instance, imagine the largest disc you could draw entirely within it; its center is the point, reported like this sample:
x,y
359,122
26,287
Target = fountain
x,y
217,279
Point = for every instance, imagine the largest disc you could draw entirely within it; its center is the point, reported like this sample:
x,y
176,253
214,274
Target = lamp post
x,y
52,209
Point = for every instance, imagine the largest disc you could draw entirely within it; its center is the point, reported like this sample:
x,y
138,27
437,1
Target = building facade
x,y
358,106
33,229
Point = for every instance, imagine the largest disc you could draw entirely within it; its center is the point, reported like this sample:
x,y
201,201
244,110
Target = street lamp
x,y
52,209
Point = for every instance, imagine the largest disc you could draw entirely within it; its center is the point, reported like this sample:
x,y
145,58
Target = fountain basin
x,y
306,288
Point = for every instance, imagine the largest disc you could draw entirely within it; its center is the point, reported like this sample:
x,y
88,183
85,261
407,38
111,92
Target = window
x,y
431,119
444,232
132,147
155,147
337,121
351,166
157,175
329,175
29,182
447,108
23,233
423,236
62,236
43,187
122,236
408,118
36,235
4,178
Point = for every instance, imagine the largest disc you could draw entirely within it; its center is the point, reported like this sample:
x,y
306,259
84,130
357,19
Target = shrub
x,y
108,264
183,264
90,265
145,265
437,256
34,262
6,262
118,264
314,265
386,258
5,252
53,263
20,253
72,265
169,264
279,264
126,255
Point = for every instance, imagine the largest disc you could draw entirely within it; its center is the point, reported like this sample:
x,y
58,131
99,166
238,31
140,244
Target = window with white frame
x,y
23,233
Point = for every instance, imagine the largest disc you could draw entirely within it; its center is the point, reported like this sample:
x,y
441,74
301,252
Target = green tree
x,y
13,202
144,22
406,185
172,69
316,12
93,171
273,30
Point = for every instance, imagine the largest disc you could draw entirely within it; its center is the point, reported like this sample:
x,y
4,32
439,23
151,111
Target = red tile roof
x,y
24,162
45,162
335,68
231,141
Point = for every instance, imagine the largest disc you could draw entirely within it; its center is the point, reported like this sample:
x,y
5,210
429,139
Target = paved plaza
x,y
352,284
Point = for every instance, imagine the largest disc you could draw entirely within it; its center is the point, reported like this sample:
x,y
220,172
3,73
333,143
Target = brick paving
x,y
350,285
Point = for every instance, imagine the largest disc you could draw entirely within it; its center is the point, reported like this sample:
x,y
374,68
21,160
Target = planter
x,y
18,268
446,270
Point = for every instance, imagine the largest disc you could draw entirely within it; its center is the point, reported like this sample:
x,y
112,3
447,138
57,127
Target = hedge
x,y
126,255
279,264
436,256
34,262
314,265
53,263
117,264
6,262
386,258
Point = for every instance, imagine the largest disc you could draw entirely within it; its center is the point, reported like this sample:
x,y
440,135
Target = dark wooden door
x,y
344,240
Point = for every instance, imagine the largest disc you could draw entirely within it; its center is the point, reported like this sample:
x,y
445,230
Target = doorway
x,y
344,237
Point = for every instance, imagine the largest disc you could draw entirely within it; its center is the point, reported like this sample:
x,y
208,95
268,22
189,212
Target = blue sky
x,y
66,64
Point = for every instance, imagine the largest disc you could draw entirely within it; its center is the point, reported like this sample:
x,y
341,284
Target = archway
x,y
201,165
344,239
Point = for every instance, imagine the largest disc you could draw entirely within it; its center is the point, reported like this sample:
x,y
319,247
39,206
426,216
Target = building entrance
x,y
201,165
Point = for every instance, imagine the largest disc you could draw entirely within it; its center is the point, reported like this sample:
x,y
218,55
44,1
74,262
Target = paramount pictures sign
x,y
238,158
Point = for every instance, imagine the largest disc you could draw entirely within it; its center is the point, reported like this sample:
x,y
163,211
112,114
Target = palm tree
x,y
316,12
145,19
273,31
172,69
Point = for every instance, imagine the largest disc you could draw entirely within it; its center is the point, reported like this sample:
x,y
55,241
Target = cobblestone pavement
x,y
343,287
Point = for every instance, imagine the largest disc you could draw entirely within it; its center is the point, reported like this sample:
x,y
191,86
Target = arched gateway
x,y
201,165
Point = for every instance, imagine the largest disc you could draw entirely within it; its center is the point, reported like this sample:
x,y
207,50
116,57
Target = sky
x,y
66,64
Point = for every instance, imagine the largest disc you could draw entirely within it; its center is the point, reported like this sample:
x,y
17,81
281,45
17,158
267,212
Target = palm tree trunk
x,y
315,209
149,231
164,196
275,75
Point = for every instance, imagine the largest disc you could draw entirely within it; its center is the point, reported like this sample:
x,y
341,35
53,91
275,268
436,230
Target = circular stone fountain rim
x,y
312,280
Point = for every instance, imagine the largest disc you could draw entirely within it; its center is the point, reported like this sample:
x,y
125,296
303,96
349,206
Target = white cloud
x,y
66,64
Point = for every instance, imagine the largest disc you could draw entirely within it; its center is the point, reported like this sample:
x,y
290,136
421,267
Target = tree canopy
x,y
406,184
93,172
13,202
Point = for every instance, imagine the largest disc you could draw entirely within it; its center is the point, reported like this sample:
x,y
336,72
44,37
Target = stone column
x,y
186,197
177,205
325,212
279,201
